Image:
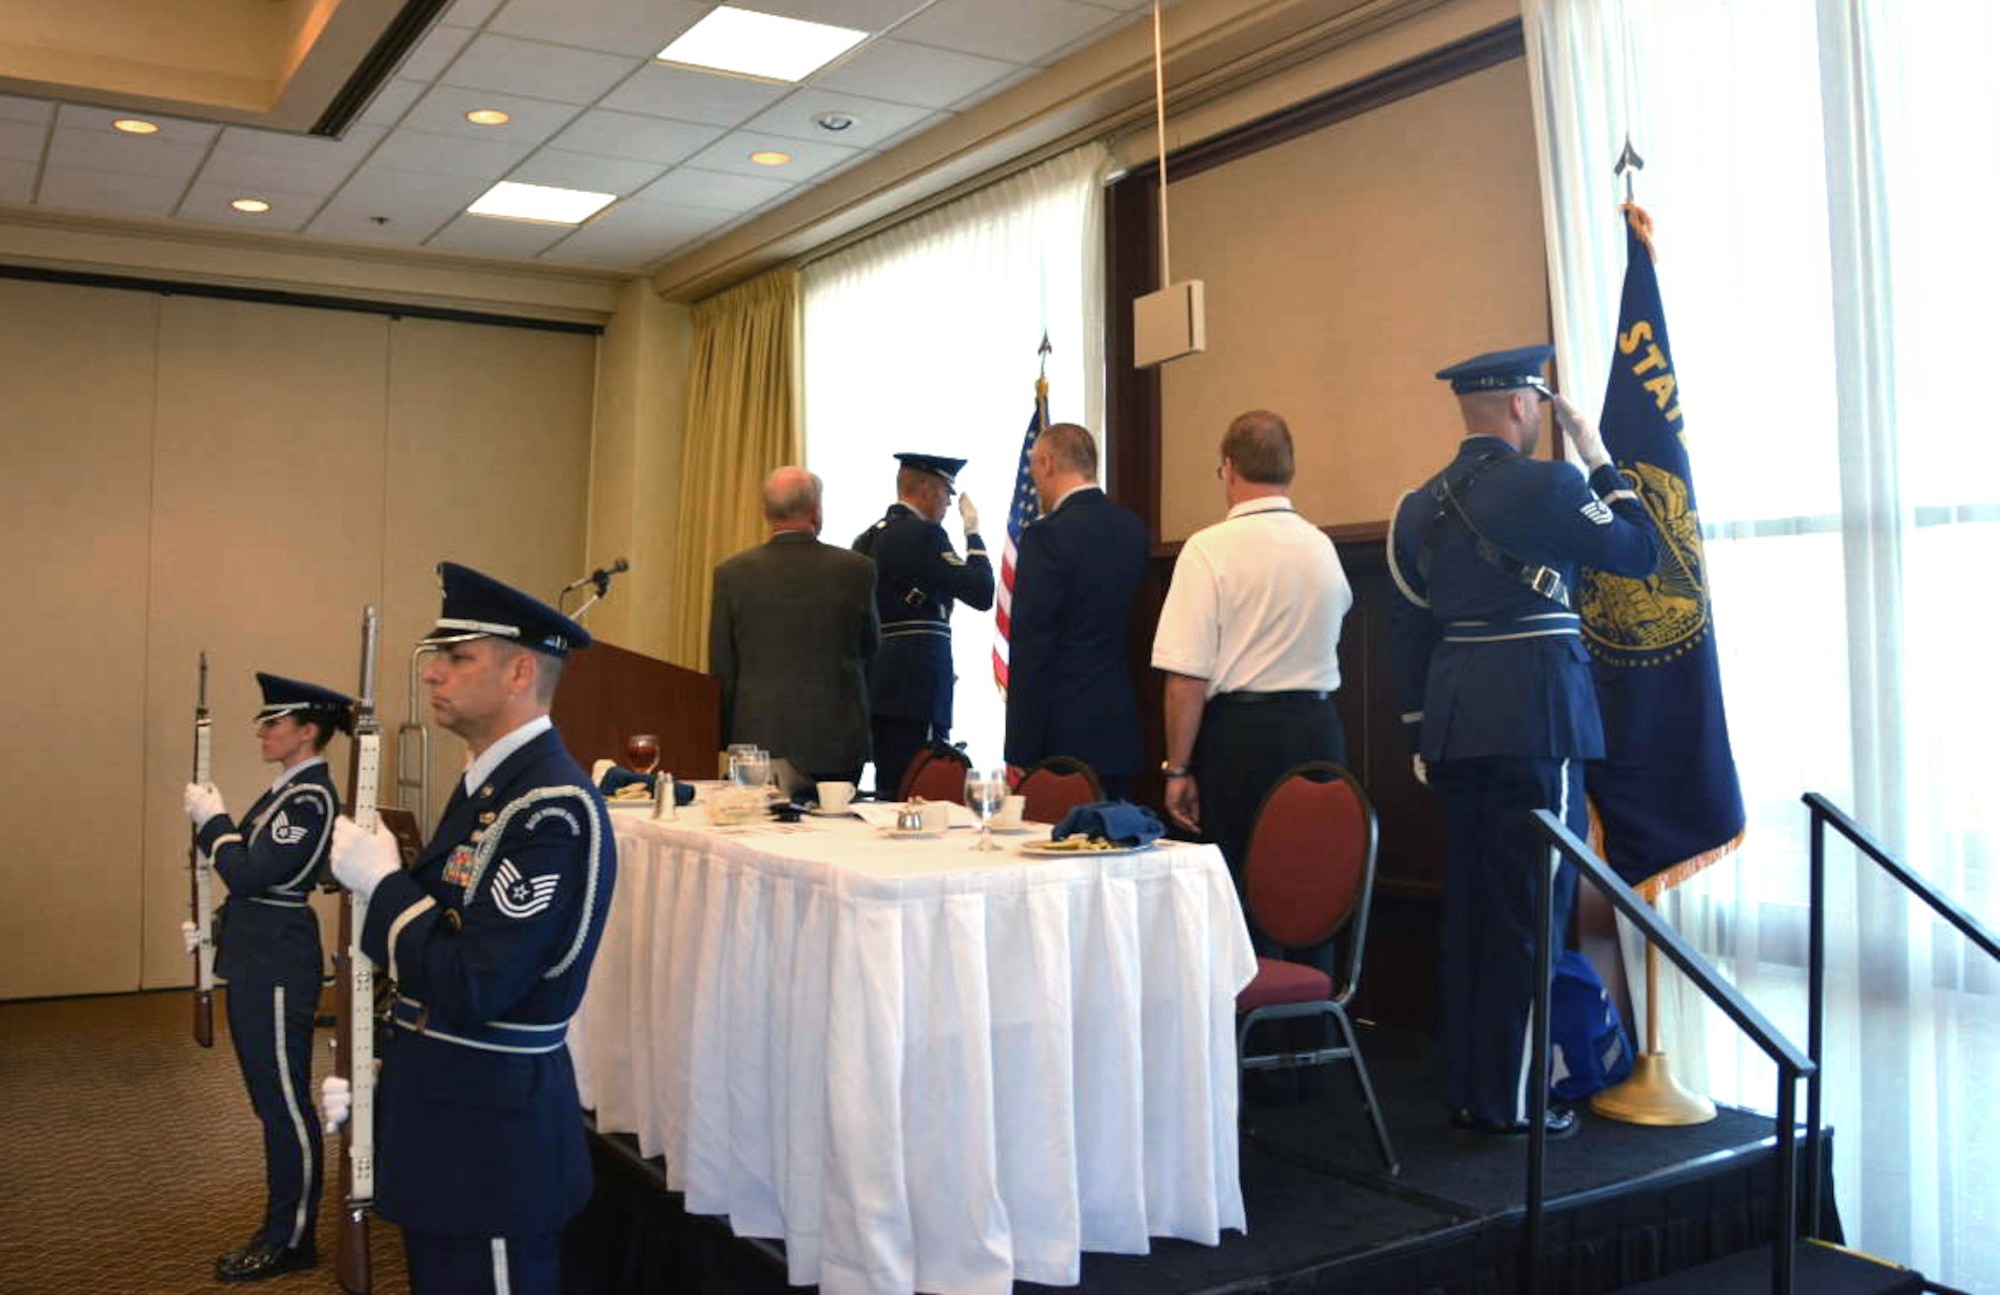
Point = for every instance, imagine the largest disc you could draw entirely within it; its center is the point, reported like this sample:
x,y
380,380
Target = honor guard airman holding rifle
x,y
918,575
268,949
1497,696
489,937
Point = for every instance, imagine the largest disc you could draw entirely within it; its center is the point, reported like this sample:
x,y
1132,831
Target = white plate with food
x,y
1087,847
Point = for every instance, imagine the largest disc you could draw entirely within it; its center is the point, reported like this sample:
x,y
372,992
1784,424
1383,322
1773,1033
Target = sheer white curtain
x,y
1826,277
924,338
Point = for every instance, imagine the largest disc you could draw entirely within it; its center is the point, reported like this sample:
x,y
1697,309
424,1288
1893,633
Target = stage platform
x,y
1627,1204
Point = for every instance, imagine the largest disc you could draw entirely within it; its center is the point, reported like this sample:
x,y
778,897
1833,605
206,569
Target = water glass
x,y
985,792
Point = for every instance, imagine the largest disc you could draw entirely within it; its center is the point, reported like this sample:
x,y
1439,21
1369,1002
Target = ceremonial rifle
x,y
201,873
354,1009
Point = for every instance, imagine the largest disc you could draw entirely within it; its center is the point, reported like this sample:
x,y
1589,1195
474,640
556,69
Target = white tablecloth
x,y
923,1068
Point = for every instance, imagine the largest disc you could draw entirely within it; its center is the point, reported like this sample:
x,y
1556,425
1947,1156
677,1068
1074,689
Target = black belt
x,y
1250,698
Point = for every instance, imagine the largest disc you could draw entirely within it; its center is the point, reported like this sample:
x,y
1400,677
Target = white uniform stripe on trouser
x,y
292,1109
1528,1023
500,1286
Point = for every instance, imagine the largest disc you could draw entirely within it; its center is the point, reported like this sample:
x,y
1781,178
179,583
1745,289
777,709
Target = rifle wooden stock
x,y
354,1009
201,873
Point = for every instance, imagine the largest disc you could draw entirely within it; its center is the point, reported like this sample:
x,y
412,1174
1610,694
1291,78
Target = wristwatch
x,y
1172,770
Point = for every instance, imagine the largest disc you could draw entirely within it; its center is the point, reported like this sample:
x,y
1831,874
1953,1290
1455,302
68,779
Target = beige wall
x,y
1342,269
183,473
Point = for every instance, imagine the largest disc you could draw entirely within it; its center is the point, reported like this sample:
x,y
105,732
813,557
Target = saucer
x,y
844,812
906,833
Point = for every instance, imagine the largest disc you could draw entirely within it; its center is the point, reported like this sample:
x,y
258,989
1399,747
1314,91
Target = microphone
x,y
600,577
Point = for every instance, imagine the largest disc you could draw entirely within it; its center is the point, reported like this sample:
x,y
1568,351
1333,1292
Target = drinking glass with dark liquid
x,y
642,753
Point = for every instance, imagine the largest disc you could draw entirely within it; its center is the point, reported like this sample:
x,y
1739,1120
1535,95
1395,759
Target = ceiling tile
x,y
442,112
17,181
434,53
875,120
208,202
174,130
636,234
21,141
17,109
414,204
999,87
686,95
108,151
1022,31
493,236
124,194
521,67
414,150
710,190
618,26
918,74
391,102
470,13
291,163
631,135
585,171
861,15
732,152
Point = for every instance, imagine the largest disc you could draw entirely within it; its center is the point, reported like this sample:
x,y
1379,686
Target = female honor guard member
x,y
489,936
917,576
268,949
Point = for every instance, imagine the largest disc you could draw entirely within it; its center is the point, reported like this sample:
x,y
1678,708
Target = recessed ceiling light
x,y
134,126
254,206
760,44
542,203
488,117
770,157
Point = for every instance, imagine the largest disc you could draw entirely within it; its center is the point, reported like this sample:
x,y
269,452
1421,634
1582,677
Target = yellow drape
x,y
742,421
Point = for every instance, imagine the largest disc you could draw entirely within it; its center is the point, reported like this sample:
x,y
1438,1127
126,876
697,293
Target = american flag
x,y
1024,508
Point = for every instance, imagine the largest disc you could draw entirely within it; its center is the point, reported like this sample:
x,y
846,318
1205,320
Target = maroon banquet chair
x,y
1057,785
938,773
1308,881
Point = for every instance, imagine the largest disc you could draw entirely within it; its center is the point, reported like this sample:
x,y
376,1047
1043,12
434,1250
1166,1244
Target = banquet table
x,y
921,1067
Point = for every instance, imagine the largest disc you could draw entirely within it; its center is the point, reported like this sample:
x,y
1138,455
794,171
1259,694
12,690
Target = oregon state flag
x,y
1666,790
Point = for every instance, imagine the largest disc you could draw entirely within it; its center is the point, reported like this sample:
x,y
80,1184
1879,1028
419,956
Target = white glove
x,y
202,802
1589,443
190,936
968,514
361,859
336,1101
1422,770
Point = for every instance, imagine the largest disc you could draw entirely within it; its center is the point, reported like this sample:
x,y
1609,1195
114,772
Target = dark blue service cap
x,y
284,696
478,606
934,464
1500,370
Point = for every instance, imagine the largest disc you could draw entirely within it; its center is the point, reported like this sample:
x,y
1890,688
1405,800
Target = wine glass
x,y
985,792
642,753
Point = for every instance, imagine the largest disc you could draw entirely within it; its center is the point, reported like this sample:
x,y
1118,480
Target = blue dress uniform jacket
x,y
1069,689
917,577
489,938
1484,664
269,952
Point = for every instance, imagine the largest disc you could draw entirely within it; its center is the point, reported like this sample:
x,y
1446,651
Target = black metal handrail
x,y
1792,1064
1822,812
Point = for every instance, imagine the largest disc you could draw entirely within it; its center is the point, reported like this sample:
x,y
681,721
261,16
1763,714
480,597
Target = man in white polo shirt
x,y
1249,640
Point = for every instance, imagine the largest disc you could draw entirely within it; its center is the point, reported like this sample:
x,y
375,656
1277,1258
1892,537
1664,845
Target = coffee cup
x,y
936,814
1010,812
834,796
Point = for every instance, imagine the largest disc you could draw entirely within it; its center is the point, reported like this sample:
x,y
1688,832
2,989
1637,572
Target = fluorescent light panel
x,y
541,203
760,45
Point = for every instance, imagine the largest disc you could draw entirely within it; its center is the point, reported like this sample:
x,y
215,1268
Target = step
x,y
1820,1269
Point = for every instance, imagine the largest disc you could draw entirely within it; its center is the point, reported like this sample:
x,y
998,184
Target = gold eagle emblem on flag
x,y
1649,622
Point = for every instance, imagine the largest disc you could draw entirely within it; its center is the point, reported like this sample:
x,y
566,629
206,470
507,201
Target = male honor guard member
x,y
268,949
489,938
1496,692
917,576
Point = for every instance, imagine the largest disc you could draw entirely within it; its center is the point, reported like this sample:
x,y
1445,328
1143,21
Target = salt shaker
x,y
663,796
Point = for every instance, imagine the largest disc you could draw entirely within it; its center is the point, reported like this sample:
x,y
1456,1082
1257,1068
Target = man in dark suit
x,y
918,575
1069,691
792,629
489,937
1497,696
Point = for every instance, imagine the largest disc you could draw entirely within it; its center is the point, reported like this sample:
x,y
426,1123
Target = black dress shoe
x,y
1561,1122
261,1259
234,1257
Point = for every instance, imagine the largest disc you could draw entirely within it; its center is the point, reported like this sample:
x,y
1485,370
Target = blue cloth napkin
x,y
1119,821
615,777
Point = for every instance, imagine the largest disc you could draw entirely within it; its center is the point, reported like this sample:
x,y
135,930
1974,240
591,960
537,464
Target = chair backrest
x,y
938,773
1057,785
1310,870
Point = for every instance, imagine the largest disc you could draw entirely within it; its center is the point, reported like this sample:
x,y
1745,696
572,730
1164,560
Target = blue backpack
x,y
1590,1046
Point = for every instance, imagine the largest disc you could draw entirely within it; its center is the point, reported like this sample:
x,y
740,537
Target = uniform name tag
x,y
458,868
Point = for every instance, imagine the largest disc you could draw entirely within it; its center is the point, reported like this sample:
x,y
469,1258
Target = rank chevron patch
x,y
516,896
285,832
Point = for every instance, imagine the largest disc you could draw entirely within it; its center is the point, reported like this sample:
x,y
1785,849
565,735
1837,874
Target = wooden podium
x,y
609,693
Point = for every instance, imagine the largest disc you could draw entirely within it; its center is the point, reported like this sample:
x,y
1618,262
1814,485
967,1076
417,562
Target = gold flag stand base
x,y
1651,1095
